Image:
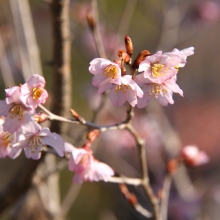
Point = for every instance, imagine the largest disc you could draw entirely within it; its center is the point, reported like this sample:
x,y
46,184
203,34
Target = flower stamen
x,y
6,139
158,70
123,88
111,71
16,111
37,92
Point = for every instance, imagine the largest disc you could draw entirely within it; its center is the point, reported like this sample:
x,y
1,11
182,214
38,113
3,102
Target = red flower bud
x,y
141,56
129,45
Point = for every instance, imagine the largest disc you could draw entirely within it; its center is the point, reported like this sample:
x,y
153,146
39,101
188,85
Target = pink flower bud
x,y
192,156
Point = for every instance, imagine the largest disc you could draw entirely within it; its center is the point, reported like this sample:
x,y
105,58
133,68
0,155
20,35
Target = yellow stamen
x,y
111,71
123,88
158,70
6,139
37,92
16,111
35,143
156,90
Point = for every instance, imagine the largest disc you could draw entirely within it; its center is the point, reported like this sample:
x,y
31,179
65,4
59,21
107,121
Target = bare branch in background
x,y
70,198
7,74
96,30
27,43
126,18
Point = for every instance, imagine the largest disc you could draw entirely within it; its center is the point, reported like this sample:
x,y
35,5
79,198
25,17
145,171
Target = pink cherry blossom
x,y
6,141
192,156
86,167
209,10
33,93
105,73
128,90
162,92
159,67
182,54
34,139
16,115
13,95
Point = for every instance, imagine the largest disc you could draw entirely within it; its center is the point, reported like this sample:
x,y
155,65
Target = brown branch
x,y
146,184
61,91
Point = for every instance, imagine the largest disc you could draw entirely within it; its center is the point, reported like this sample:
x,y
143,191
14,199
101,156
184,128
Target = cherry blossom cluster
x,y
20,130
152,75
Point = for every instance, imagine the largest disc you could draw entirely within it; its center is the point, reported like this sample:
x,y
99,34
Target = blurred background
x,y
195,118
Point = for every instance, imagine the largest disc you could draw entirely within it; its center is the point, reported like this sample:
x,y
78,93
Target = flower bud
x,y
90,20
75,114
40,117
92,135
124,56
141,56
172,166
129,45
192,156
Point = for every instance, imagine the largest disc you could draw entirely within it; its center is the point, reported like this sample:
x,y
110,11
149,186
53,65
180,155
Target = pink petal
x,y
55,141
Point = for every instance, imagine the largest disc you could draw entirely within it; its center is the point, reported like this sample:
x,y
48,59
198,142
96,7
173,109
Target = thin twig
x,y
146,185
52,117
59,166
70,198
127,180
165,196
96,30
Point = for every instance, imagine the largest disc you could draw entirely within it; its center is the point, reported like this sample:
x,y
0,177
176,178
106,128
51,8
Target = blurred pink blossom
x,y
85,166
209,10
192,156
